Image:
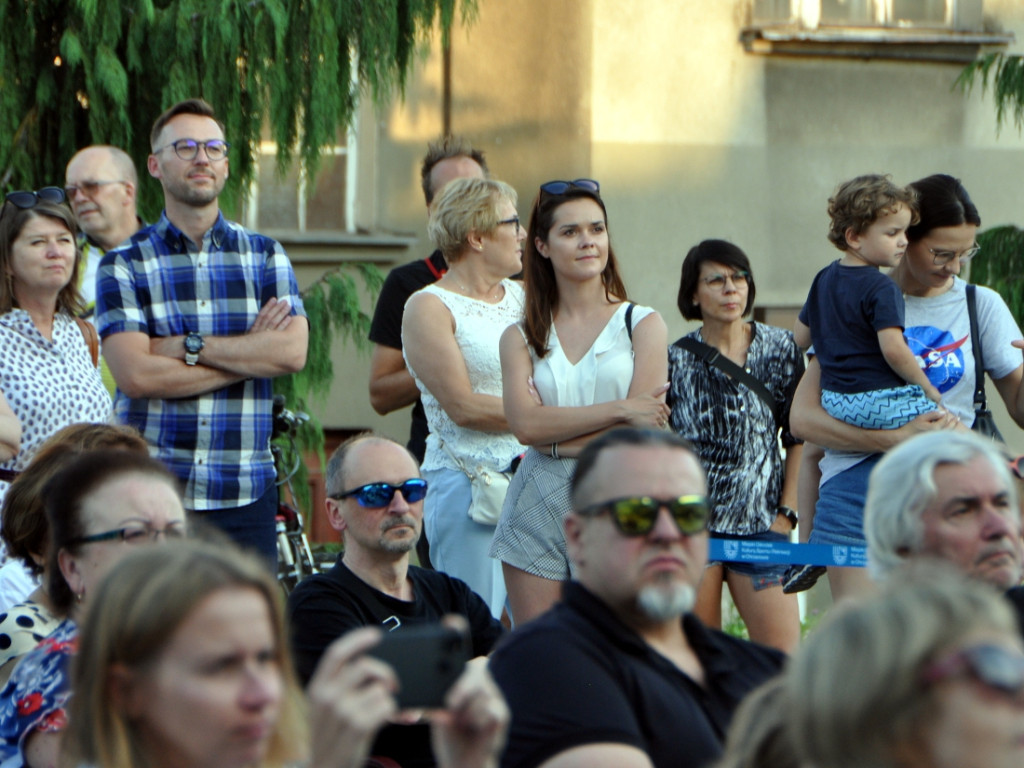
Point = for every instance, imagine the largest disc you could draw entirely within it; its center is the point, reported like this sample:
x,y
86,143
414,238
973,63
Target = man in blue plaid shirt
x,y
197,314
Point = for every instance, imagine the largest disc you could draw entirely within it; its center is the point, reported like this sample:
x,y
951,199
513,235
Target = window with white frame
x,y
292,202
951,15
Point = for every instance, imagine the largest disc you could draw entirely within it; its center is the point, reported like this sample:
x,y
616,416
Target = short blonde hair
x,y
465,206
131,618
854,687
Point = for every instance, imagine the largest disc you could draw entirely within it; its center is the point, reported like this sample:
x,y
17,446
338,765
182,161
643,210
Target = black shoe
x,y
799,578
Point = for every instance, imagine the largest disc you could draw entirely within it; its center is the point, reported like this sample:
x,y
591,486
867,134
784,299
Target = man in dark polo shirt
x,y
620,673
391,385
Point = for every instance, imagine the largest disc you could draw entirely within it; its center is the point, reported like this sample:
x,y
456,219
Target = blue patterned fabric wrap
x,y
877,408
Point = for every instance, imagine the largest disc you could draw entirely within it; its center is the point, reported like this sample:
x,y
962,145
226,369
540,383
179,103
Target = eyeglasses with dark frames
x,y
994,666
135,533
513,220
717,282
637,515
26,199
188,149
89,188
941,258
561,187
376,495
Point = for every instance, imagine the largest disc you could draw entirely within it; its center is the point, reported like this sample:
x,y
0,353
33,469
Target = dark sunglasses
x,y
561,187
997,667
636,515
374,495
24,198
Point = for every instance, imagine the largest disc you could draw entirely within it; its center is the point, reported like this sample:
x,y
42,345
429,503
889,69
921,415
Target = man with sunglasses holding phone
x,y
197,315
620,673
375,501
947,496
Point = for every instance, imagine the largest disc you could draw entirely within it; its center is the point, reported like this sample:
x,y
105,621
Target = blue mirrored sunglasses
x,y
561,187
374,495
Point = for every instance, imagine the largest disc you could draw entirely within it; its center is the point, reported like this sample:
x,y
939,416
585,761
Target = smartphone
x,y
427,658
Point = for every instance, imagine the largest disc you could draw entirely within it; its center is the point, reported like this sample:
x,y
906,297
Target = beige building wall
x,y
690,136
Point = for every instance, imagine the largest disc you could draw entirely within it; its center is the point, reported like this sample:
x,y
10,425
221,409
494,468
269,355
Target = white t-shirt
x,y
938,332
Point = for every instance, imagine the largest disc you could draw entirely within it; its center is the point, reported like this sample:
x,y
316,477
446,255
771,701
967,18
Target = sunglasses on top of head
x,y
994,666
25,198
374,495
561,187
637,515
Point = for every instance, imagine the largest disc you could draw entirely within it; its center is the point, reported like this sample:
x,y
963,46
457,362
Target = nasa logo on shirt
x,y
938,353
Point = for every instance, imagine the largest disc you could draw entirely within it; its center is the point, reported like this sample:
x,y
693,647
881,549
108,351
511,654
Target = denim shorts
x,y
762,575
839,515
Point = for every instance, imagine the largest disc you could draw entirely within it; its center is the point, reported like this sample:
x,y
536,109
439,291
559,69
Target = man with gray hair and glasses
x,y
948,496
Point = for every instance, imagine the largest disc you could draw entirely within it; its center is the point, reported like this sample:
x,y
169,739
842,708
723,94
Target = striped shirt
x,y
159,283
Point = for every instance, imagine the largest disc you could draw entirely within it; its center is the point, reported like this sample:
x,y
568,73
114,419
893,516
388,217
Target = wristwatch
x,y
789,513
193,345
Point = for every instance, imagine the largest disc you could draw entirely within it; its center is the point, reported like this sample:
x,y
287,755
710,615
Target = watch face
x,y
193,343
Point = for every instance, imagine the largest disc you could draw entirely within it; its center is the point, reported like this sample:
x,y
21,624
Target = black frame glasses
x,y
637,515
995,666
89,188
135,533
26,198
513,220
561,187
941,258
717,282
188,149
376,495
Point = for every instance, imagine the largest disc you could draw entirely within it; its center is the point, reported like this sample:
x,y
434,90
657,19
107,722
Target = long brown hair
x,y
539,276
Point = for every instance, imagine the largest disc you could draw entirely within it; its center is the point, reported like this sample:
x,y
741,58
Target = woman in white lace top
x,y
450,334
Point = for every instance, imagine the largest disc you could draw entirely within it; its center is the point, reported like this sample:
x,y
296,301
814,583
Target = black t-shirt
x,y
579,676
1016,597
325,606
386,328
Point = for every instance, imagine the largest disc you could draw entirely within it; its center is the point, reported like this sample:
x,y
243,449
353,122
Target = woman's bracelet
x,y
554,451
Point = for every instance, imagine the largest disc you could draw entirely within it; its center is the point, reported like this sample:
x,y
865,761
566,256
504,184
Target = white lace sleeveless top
x,y
478,329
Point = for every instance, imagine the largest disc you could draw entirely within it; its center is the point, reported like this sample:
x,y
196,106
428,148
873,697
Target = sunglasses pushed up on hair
x,y
561,187
26,198
637,515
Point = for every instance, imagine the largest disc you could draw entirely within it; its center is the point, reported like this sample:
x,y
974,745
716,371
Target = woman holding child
x,y
583,360
735,431
937,331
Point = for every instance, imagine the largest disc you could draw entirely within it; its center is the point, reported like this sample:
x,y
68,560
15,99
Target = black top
x,y
578,676
1016,597
325,606
386,328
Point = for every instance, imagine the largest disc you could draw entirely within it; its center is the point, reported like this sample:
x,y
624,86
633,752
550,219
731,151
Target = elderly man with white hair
x,y
949,496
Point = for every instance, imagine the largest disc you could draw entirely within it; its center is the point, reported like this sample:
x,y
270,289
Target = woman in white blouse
x,y
583,360
450,333
47,373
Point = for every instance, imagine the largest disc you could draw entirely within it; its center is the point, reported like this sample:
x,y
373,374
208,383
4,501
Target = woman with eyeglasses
x,y
583,360
99,506
450,333
48,371
938,332
735,426
930,674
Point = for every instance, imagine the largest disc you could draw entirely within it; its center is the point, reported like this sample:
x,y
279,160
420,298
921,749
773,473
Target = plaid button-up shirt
x,y
159,283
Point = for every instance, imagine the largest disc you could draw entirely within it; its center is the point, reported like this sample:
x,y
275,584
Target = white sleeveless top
x,y
478,329
603,374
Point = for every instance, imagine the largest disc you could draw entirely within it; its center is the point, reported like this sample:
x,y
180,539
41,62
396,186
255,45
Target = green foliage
x,y
79,72
1000,266
1005,74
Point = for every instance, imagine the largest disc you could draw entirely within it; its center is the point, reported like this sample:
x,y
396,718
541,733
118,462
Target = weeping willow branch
x,y
1004,74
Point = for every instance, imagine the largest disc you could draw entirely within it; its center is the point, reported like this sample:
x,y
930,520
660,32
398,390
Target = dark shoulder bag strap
x,y
712,356
629,321
979,363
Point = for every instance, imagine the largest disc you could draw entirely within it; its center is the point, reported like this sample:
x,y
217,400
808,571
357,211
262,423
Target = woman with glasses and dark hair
x,y
583,360
930,674
450,334
938,331
98,507
48,371
734,426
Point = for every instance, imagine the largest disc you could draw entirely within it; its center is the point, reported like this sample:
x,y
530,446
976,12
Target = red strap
x,y
437,273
